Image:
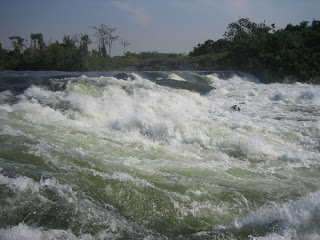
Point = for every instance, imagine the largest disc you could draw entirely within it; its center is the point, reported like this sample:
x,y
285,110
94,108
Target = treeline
x,y
73,54
292,53
271,54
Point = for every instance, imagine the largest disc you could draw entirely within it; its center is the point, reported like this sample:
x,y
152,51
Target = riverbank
x,y
270,54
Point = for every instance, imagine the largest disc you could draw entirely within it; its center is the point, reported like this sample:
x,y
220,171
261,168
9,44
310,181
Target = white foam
x,y
7,130
177,137
20,183
298,219
255,147
176,77
288,234
24,232
5,96
63,190
140,111
173,76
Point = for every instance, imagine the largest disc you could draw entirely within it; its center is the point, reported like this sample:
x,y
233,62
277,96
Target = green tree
x,y
55,56
240,30
37,41
84,43
211,47
17,43
84,58
2,58
70,53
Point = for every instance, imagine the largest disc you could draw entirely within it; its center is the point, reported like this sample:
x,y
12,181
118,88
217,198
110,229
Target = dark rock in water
x,y
199,88
236,107
123,76
55,84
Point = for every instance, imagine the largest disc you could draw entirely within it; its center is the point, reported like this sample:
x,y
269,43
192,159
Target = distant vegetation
x,y
72,54
271,54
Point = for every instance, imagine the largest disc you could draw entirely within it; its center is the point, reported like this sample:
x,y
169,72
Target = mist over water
x,y
157,155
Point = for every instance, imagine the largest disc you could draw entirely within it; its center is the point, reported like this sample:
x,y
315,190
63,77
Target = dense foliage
x,y
72,54
292,53
271,54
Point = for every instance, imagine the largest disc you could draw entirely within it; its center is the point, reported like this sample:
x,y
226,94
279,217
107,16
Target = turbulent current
x,y
158,155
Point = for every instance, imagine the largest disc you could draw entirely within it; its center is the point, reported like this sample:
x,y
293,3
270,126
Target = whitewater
x,y
158,155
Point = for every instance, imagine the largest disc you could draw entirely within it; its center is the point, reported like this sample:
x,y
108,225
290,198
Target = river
x,y
158,155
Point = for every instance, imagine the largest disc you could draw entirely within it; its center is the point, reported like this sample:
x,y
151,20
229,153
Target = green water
x,y
102,158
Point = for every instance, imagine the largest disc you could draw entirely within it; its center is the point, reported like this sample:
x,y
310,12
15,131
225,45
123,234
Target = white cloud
x,y
138,15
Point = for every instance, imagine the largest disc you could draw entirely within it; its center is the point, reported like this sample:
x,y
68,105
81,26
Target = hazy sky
x,y
149,25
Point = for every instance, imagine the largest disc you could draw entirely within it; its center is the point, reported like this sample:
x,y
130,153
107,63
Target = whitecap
x,y
20,183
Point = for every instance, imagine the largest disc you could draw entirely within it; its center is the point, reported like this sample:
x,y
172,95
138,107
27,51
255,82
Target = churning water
x,y
157,155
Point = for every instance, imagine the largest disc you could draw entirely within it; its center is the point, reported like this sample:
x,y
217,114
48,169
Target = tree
x,y
37,40
2,58
70,52
111,38
17,43
84,42
243,29
106,37
100,34
125,44
239,30
210,47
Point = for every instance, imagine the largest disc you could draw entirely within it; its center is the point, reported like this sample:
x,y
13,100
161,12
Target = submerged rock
x,y
123,76
201,88
236,107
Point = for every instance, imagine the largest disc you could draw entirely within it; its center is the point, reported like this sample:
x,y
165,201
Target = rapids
x,y
157,155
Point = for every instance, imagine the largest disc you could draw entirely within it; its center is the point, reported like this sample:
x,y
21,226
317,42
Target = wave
x,y
296,219
116,154
19,81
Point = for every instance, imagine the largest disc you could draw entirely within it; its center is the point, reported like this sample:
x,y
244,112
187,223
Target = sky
x,y
148,25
